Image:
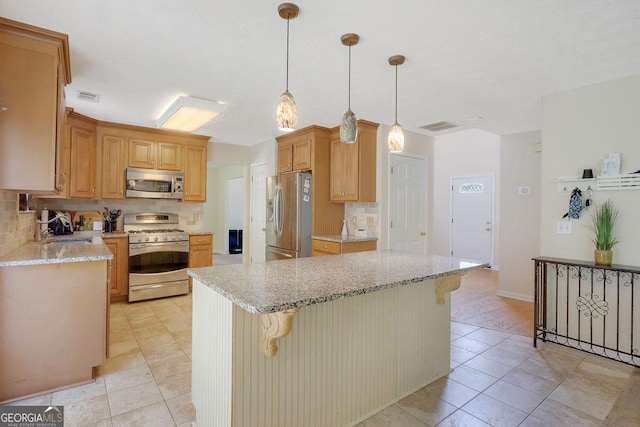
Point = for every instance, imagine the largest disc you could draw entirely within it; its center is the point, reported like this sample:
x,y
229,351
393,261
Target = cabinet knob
x,y
92,190
2,109
121,191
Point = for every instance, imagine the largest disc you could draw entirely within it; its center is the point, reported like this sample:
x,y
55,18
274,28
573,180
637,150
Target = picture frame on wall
x,y
611,165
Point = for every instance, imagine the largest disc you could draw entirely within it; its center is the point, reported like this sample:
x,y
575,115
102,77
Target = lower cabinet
x,y
119,286
325,247
200,251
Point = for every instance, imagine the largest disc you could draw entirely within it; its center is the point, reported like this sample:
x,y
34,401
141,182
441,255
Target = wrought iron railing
x,y
588,307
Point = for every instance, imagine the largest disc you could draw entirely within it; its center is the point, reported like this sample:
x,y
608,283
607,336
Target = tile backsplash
x,y
15,228
362,216
190,214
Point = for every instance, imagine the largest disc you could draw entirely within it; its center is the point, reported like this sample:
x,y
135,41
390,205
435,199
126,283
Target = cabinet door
x,y
344,172
83,164
169,156
302,155
141,153
285,158
113,167
119,286
28,114
195,174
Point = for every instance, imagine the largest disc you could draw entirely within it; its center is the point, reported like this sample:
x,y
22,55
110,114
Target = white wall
x,y
580,128
520,214
464,153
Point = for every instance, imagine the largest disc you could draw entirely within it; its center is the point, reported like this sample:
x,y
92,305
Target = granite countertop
x,y
200,233
61,249
280,285
339,239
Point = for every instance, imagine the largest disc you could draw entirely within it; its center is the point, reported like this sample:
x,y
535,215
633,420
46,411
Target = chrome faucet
x,y
46,232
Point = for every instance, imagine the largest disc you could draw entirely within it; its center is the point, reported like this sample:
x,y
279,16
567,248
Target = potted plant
x,y
603,219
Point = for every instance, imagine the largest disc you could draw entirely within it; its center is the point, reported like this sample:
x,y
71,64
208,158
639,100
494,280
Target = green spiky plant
x,y
603,219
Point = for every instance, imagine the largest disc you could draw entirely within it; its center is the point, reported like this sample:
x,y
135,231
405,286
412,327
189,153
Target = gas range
x,y
153,227
158,256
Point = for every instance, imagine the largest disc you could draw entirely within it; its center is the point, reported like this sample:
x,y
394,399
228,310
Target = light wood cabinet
x,y
114,164
119,286
353,166
34,67
195,174
151,154
81,132
296,152
325,247
200,251
309,150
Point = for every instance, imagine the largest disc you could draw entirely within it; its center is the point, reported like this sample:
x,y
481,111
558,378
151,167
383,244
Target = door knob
x,y
423,233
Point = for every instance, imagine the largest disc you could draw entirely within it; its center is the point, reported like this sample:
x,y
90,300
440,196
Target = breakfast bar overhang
x,y
325,341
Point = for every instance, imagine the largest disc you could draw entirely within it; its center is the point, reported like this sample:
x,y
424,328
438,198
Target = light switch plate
x,y
564,227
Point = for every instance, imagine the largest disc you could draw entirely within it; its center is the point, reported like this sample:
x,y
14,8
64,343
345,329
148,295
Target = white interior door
x,y
472,218
407,203
258,212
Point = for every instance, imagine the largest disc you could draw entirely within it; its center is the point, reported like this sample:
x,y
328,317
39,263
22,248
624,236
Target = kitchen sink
x,y
69,241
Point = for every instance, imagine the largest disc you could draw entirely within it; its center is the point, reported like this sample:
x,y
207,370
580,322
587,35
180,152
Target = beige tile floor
x,y
499,379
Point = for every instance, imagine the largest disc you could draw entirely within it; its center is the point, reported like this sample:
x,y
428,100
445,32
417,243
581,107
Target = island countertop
x,y
281,285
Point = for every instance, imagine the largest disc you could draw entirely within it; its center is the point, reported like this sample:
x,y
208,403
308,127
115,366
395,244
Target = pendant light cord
x,y
396,93
349,102
287,84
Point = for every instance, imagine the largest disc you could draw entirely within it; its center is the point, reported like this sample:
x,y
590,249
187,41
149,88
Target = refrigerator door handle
x,y
278,205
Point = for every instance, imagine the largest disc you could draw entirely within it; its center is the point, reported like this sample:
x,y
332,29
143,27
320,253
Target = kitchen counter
x,y
61,249
200,233
349,239
281,285
334,338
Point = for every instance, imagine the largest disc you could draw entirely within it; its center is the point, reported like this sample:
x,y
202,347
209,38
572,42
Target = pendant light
x,y
395,141
349,125
287,112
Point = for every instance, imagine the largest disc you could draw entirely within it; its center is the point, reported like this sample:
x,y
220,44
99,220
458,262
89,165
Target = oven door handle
x,y
148,248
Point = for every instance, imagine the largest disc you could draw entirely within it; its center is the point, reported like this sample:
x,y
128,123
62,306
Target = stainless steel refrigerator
x,y
288,230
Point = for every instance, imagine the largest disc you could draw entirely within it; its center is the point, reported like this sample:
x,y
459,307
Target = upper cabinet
x,y
114,164
295,150
34,68
121,146
152,154
195,174
353,166
81,132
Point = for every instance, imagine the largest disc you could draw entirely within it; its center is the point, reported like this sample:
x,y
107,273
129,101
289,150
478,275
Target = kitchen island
x,y
319,341
53,315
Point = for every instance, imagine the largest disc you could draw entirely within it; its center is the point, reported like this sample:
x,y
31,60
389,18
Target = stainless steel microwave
x,y
154,184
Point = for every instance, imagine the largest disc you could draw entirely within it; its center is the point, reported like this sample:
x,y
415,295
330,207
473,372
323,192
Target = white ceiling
x,y
465,58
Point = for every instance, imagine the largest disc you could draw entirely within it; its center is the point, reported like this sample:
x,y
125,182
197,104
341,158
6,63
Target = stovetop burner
x,y
157,230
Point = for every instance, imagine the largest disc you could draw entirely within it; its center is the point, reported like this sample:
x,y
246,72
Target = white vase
x,y
345,233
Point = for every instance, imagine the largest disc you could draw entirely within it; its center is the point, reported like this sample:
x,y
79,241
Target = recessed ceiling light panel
x,y
188,113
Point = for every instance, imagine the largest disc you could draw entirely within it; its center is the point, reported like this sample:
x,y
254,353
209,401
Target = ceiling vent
x,y
439,126
88,97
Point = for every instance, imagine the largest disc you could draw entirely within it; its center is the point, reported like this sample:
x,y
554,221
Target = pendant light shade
x,y
395,140
287,112
349,124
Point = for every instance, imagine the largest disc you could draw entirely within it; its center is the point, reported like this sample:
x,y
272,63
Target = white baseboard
x,y
514,295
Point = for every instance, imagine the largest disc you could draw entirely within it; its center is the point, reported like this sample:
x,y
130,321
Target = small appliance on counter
x,y
63,224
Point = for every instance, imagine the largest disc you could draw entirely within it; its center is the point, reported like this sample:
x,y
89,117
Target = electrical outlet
x,y
564,227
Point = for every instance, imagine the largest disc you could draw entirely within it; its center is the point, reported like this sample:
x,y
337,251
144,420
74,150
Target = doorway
x,y
472,217
407,203
259,174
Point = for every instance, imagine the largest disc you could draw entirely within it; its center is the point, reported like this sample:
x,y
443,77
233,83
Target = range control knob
x,y
165,238
146,239
155,239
